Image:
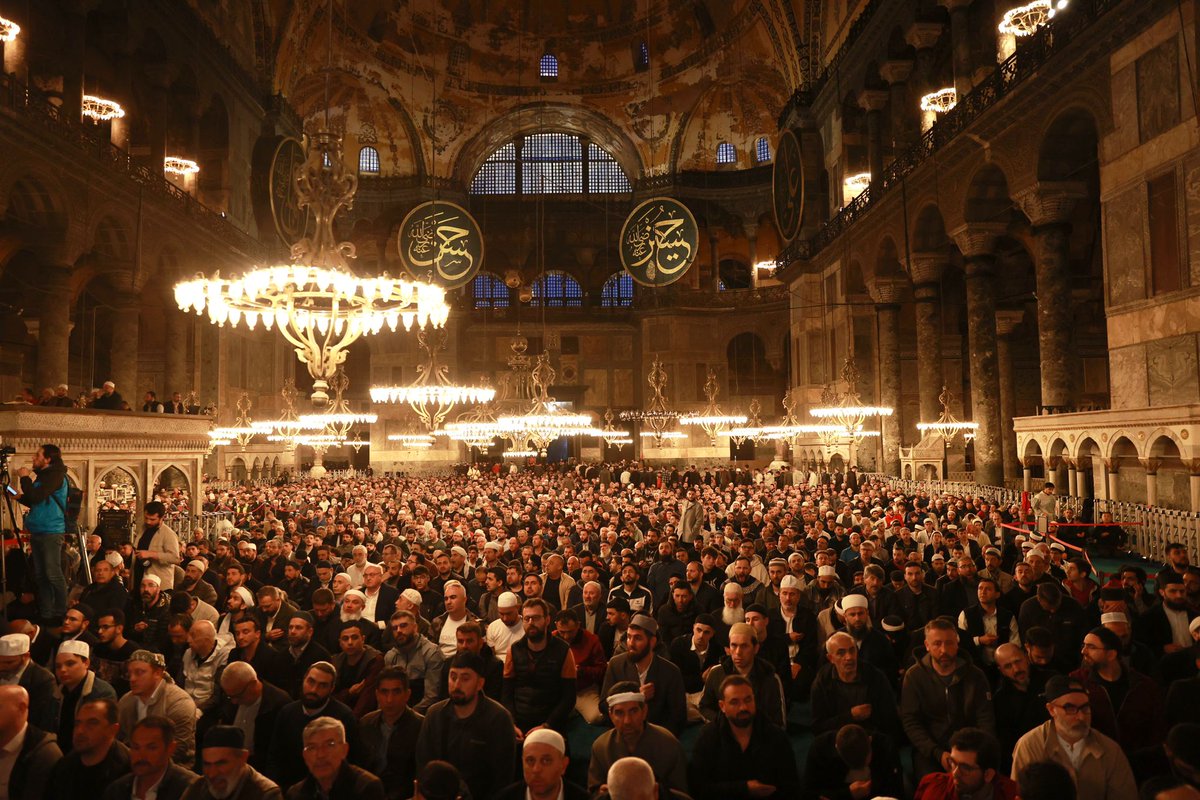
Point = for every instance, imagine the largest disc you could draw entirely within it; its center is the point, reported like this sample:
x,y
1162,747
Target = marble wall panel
x,y
1125,245
1158,102
1128,377
1172,374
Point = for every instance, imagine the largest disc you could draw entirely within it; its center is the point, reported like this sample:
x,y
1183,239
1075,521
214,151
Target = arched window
x,y
641,57
726,153
617,291
368,161
550,163
548,67
557,290
488,291
326,161
762,150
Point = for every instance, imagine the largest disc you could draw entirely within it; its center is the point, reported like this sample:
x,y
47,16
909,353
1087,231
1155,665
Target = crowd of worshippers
x,y
447,637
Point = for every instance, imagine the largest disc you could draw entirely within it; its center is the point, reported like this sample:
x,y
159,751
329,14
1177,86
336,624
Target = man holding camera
x,y
44,493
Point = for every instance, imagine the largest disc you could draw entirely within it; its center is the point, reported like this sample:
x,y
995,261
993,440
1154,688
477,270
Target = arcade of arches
x,y
1035,251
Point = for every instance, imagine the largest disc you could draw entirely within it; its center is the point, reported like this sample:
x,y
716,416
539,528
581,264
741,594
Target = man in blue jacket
x,y
45,495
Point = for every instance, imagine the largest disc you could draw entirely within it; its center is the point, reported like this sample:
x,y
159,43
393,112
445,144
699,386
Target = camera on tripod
x,y
7,450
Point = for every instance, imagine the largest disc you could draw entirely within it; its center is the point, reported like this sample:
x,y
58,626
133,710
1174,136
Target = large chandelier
x,y
847,411
752,430
712,420
432,396
544,422
177,165
1025,20
339,419
613,436
319,306
287,428
8,30
947,425
242,431
412,441
855,185
98,109
656,419
941,101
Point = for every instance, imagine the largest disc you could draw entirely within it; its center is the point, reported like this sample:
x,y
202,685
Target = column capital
x,y
927,267
888,291
1151,465
896,71
1007,320
1050,202
873,99
978,238
924,35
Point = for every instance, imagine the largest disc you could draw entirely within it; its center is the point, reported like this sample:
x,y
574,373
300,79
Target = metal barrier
x,y
184,523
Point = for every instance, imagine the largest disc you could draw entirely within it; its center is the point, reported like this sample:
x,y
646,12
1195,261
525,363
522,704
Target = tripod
x,y
8,525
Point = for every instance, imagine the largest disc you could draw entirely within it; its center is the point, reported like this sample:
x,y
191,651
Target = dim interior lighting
x,y
1025,20
174,165
8,30
857,184
941,101
101,110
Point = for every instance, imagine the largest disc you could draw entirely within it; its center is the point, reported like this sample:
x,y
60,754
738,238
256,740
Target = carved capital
x,y
873,99
1192,465
1151,465
1007,320
978,238
927,267
896,71
888,291
924,35
1050,202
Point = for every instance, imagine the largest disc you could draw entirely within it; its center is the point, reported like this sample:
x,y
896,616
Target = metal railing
x,y
184,523
1030,56
995,494
17,98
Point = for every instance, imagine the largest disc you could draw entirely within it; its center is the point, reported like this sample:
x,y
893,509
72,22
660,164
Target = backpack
x,y
71,509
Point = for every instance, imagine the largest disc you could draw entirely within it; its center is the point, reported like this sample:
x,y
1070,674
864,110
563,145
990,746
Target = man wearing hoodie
x,y
941,694
45,495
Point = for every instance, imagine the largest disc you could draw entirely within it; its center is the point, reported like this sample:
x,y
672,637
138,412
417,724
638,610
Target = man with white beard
x,y
352,608
733,611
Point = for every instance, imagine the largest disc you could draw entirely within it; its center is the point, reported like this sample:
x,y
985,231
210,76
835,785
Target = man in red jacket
x,y
974,755
590,663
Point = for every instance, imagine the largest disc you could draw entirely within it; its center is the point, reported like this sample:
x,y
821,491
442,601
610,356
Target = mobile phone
x,y
11,490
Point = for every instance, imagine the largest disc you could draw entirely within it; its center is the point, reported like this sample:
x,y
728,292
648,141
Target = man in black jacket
x,y
329,773
249,703
539,673
660,680
151,747
848,690
389,734
316,700
738,755
43,691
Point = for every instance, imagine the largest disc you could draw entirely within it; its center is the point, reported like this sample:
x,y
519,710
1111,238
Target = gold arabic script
x,y
657,242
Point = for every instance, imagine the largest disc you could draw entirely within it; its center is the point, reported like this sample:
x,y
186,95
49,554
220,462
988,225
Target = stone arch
x,y
749,372
112,240
1122,446
118,484
987,198
1164,444
36,200
237,470
887,259
173,477
1068,145
929,230
542,118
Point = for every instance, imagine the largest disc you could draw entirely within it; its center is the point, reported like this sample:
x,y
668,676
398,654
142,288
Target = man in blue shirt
x,y
45,495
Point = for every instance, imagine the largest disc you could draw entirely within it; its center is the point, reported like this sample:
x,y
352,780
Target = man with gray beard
x,y
227,776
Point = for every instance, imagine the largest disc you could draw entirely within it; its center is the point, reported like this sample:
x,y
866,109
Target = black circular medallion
x,y
440,241
787,186
291,221
659,241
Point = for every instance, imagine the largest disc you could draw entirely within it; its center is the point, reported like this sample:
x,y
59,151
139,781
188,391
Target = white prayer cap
x,y
1113,616
507,600
789,582
244,593
157,581
549,737
854,601
76,647
826,571
412,596
14,644
114,558
355,593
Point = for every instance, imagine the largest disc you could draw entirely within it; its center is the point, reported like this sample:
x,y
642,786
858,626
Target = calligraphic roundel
x,y
291,221
440,241
659,241
787,186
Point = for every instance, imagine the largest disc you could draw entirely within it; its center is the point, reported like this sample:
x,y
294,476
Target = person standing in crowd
x,y
43,490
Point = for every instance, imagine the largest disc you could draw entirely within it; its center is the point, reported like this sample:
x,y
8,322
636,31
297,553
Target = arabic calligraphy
x,y
659,241
440,241
787,187
291,221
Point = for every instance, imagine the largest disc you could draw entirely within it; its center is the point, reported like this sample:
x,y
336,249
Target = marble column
x,y
873,101
1111,467
888,295
175,372
1151,466
977,242
1048,207
903,114
1072,478
74,41
54,327
1193,467
124,353
960,39
716,262
926,271
923,36
1006,323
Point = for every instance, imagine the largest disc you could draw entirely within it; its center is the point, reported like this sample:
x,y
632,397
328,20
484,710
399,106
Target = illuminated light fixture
x,y
317,303
752,430
847,411
520,453
412,441
1025,20
432,396
101,110
339,420
288,426
712,420
947,425
242,431
613,436
8,30
174,165
544,422
941,101
855,185
656,417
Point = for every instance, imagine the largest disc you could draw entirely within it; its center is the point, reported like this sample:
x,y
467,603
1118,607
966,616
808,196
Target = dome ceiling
x,y
434,83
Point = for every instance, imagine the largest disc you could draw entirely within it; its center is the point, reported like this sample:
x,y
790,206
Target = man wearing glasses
x,y
974,757
1096,762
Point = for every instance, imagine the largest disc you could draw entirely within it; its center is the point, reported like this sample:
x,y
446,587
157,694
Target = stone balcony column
x,y
873,101
1111,467
1193,467
74,41
977,242
175,373
1006,322
124,353
888,294
926,270
715,249
903,115
53,327
960,37
923,36
1151,466
1072,477
1048,206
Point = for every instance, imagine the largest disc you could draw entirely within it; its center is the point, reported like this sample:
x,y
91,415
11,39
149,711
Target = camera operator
x,y
45,495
